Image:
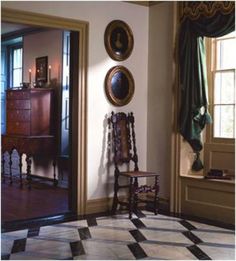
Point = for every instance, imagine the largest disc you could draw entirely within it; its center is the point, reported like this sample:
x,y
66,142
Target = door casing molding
x,y
79,101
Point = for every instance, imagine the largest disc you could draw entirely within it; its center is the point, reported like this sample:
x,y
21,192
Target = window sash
x,y
212,70
16,71
219,125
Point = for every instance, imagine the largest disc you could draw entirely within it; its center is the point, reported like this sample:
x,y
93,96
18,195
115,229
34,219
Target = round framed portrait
x,y
119,40
119,85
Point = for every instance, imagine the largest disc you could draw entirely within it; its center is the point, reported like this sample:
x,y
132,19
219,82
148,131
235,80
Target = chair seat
x,y
138,174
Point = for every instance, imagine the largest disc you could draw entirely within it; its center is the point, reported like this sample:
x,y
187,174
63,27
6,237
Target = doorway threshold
x,y
8,226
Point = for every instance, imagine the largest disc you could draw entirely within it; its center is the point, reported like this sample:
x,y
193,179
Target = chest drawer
x,y
19,128
18,115
18,104
18,95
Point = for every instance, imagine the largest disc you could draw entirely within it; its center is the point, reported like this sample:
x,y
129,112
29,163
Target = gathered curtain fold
x,y
193,75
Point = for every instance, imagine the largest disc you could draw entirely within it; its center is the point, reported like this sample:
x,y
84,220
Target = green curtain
x,y
193,75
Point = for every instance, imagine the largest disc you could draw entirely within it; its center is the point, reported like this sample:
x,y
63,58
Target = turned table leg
x,y
10,167
20,167
3,168
29,178
55,182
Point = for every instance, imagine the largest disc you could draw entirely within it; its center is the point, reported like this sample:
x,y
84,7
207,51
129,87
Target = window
x,y
15,66
222,100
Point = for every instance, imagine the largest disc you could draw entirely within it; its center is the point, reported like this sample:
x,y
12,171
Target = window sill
x,y
198,177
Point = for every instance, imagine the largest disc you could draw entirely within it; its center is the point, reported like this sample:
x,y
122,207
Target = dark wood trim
x,y
38,222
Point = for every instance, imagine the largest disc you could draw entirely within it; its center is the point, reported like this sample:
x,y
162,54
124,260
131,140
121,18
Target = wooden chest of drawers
x,y
30,127
29,112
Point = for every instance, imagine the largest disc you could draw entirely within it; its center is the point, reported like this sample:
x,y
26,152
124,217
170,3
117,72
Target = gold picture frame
x,y
118,40
119,85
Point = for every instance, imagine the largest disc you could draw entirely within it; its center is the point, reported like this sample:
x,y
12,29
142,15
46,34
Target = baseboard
x,y
104,205
98,205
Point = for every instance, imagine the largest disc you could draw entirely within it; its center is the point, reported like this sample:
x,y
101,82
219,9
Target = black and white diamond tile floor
x,y
118,238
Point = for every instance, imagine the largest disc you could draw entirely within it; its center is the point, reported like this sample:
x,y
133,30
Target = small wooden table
x,y
31,146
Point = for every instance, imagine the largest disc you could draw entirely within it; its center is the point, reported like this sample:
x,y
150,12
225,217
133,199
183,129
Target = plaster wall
x,y
48,43
99,14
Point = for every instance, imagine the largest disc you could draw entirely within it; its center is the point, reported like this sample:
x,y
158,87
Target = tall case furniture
x,y
30,126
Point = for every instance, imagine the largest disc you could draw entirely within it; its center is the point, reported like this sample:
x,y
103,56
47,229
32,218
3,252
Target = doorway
x,y
77,195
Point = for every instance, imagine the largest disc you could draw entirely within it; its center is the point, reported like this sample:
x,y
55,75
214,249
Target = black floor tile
x,y
137,235
198,253
84,233
187,225
92,222
33,232
139,214
77,248
138,223
5,257
137,251
18,245
192,237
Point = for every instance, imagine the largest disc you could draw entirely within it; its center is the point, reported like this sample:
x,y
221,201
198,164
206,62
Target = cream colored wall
x,y
99,14
160,93
48,43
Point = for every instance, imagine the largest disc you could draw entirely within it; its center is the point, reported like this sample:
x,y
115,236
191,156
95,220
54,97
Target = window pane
x,y
226,54
232,34
17,58
224,121
17,77
224,88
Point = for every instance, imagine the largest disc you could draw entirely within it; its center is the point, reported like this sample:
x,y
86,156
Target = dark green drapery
x,y
193,75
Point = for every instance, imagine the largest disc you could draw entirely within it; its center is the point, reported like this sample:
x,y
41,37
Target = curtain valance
x,y
194,9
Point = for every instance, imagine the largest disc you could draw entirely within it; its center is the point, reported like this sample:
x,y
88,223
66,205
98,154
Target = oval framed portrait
x,y
119,40
119,85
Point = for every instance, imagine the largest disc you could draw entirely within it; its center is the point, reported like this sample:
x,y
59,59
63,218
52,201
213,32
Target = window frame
x,y
10,51
211,70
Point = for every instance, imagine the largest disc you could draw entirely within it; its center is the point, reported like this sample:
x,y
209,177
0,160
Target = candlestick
x,y
30,76
49,73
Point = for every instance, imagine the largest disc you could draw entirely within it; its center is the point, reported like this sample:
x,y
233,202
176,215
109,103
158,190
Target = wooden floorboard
x,y
42,200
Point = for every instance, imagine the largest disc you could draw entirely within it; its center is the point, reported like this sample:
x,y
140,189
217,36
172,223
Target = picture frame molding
x,y
114,25
108,85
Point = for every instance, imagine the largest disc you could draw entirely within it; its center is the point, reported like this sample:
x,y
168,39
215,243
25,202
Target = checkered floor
x,y
116,237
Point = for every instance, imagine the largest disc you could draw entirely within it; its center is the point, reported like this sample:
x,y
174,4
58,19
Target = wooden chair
x,y
124,147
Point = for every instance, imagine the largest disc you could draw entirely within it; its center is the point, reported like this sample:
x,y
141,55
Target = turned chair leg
x,y
135,195
156,196
131,197
115,198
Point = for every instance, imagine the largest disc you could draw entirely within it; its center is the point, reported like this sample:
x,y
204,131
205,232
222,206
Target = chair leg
x,y
131,197
135,195
156,195
115,198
